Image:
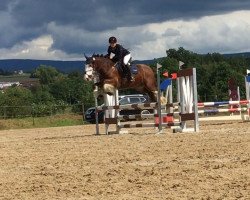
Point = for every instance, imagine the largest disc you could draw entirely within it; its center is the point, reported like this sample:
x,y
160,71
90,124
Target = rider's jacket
x,y
118,51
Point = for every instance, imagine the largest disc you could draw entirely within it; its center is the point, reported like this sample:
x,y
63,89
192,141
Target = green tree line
x,y
213,71
58,90
55,90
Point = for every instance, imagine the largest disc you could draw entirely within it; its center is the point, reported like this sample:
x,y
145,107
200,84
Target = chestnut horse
x,y
109,79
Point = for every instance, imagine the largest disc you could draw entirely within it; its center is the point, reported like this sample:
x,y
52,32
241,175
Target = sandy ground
x,y
73,163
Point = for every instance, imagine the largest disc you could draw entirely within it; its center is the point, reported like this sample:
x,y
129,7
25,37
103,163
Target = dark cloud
x,y
28,19
102,15
4,5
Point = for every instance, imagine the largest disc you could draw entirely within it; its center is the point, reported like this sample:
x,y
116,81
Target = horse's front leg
x,y
109,87
98,92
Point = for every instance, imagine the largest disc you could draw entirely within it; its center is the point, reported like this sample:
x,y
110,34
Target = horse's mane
x,y
103,57
98,55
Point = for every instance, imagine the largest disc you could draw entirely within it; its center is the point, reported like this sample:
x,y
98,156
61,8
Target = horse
x,y
104,70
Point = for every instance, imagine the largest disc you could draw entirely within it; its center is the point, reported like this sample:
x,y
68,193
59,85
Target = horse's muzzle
x,y
88,77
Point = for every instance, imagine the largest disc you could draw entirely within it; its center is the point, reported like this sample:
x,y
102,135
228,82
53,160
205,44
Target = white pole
x,y
195,103
96,111
158,66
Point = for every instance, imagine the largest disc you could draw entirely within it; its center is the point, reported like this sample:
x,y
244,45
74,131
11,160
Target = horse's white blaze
x,y
88,72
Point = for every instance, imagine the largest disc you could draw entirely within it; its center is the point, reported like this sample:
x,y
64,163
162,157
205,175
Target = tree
x,y
219,76
188,57
42,95
73,90
46,74
16,101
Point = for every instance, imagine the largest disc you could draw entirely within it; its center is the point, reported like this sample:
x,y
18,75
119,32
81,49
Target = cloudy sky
x,y
66,29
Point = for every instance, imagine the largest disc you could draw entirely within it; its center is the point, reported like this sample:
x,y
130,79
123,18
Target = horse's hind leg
x,y
153,95
151,89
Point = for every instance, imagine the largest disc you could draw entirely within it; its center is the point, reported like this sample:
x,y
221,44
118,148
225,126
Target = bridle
x,y
90,72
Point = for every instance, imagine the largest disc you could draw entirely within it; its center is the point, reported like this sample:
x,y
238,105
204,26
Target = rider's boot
x,y
122,70
129,74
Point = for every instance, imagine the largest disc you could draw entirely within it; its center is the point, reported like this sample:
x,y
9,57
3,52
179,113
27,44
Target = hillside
x,y
27,65
243,54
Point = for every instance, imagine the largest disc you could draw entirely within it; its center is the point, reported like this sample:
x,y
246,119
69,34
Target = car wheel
x,y
145,112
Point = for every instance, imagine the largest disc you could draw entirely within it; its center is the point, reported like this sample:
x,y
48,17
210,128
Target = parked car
x,y
90,115
123,100
134,99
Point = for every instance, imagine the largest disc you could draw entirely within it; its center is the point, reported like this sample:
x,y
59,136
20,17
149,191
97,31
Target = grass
x,y
16,78
40,122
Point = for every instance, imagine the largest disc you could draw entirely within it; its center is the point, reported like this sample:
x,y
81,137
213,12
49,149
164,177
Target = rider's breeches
x,y
126,59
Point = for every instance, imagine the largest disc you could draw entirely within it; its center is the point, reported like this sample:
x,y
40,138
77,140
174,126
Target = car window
x,y
142,99
134,100
90,110
124,101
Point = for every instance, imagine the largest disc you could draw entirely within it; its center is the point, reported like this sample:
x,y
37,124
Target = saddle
x,y
127,71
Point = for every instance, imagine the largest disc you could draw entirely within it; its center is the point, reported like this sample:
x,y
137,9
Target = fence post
x,y
4,112
83,111
33,115
159,98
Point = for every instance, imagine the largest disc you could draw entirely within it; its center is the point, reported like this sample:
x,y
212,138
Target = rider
x,y
117,53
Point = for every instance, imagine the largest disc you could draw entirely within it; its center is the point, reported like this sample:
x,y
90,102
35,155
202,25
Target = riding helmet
x,y
112,39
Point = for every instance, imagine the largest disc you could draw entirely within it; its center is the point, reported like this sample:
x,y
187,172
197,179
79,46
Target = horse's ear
x,y
86,56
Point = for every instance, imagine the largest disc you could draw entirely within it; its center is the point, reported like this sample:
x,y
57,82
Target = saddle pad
x,y
133,69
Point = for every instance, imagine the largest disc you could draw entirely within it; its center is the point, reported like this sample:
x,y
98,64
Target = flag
x,y
165,74
158,66
180,64
174,75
